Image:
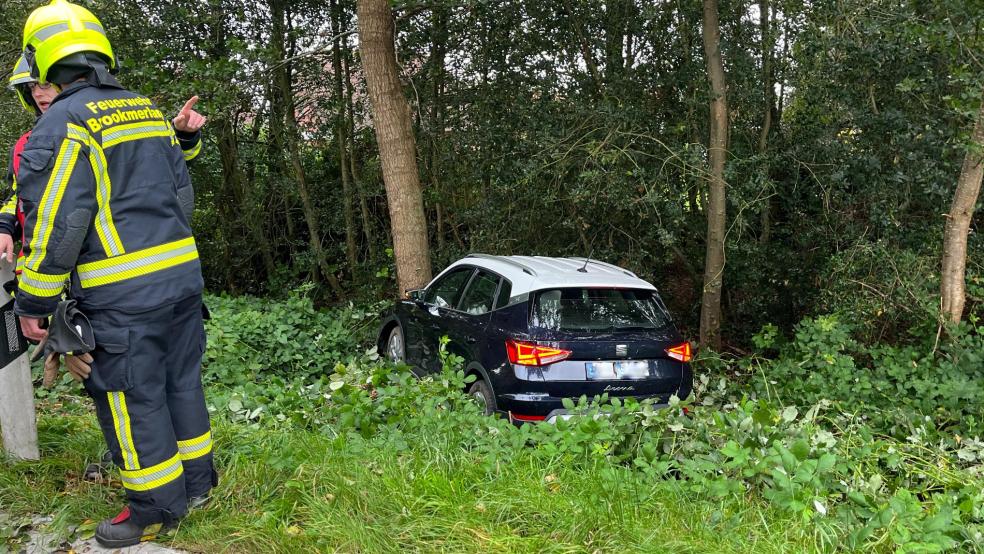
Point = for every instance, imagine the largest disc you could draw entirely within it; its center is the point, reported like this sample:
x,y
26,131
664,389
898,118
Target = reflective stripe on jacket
x,y
108,201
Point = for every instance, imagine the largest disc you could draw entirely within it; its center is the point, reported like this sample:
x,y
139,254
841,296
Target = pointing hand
x,y
188,120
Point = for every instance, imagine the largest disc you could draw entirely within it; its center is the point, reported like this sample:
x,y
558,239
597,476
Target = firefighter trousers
x,y
147,387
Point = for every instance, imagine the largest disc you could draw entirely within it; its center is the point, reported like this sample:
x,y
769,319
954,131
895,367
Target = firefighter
x,y
35,97
107,201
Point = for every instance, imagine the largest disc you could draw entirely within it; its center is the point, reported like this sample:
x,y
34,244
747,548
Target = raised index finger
x,y
189,104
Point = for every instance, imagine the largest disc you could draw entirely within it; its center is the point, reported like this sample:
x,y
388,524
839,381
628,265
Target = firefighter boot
x,y
121,531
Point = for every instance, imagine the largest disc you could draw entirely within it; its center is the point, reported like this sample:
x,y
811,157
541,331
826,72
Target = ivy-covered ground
x,y
816,444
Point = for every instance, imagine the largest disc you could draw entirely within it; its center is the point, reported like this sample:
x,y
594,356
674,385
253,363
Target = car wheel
x,y
482,393
396,346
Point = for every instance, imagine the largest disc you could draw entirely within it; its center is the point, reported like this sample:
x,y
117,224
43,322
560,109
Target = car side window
x,y
505,292
480,295
445,292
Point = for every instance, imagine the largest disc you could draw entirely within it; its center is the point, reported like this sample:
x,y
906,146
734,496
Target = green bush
x,y
891,294
892,385
251,339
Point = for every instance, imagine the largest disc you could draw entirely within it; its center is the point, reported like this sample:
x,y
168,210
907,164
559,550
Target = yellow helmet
x,y
60,29
20,78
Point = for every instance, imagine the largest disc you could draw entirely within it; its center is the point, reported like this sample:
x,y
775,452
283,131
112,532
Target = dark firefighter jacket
x,y
191,146
107,202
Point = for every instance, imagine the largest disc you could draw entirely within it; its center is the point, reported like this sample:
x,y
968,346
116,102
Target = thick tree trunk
x,y
767,93
710,309
953,285
397,147
341,126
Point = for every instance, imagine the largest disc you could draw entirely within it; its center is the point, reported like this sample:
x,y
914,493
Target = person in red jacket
x,y
35,97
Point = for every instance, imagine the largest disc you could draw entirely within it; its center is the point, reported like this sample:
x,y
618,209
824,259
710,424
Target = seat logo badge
x,y
622,350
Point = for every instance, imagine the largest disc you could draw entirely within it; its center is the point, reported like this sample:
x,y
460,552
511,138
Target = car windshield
x,y
598,310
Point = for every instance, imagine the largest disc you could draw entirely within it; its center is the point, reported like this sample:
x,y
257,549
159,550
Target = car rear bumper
x,y
537,407
553,416
540,399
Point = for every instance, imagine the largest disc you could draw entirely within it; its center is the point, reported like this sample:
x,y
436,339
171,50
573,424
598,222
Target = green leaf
x,y
800,449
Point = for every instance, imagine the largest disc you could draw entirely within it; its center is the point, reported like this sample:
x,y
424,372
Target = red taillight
x,y
527,353
520,417
680,352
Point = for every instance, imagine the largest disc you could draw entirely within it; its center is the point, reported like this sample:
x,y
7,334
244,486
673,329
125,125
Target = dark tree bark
x,y
289,139
367,226
953,288
439,24
341,128
710,309
767,107
235,185
397,146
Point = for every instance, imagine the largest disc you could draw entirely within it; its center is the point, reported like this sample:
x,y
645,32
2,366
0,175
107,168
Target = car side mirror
x,y
416,295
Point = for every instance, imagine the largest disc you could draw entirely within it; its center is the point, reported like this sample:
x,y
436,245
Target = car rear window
x,y
598,309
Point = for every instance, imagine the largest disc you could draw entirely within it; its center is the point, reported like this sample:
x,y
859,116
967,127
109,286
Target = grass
x,y
302,491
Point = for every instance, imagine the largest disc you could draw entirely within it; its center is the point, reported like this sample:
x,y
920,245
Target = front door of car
x,y
467,323
413,327
431,321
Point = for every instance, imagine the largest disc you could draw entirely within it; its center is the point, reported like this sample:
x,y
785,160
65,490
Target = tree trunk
x,y
767,93
283,95
235,183
277,167
439,24
953,285
353,168
397,147
341,126
710,309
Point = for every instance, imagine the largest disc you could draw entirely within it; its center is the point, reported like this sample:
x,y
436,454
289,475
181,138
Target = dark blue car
x,y
536,330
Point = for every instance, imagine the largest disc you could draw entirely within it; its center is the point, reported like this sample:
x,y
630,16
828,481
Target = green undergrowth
x,y
346,453
308,491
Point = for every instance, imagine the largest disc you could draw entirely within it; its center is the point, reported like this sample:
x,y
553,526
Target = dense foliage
x,y
570,128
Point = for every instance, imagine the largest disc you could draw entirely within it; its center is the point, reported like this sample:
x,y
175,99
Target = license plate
x,y
632,370
617,370
600,370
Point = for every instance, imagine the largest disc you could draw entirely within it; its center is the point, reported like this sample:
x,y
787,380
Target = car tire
x,y
396,345
482,393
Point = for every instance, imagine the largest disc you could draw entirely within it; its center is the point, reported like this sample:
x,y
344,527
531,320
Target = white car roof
x,y
531,273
